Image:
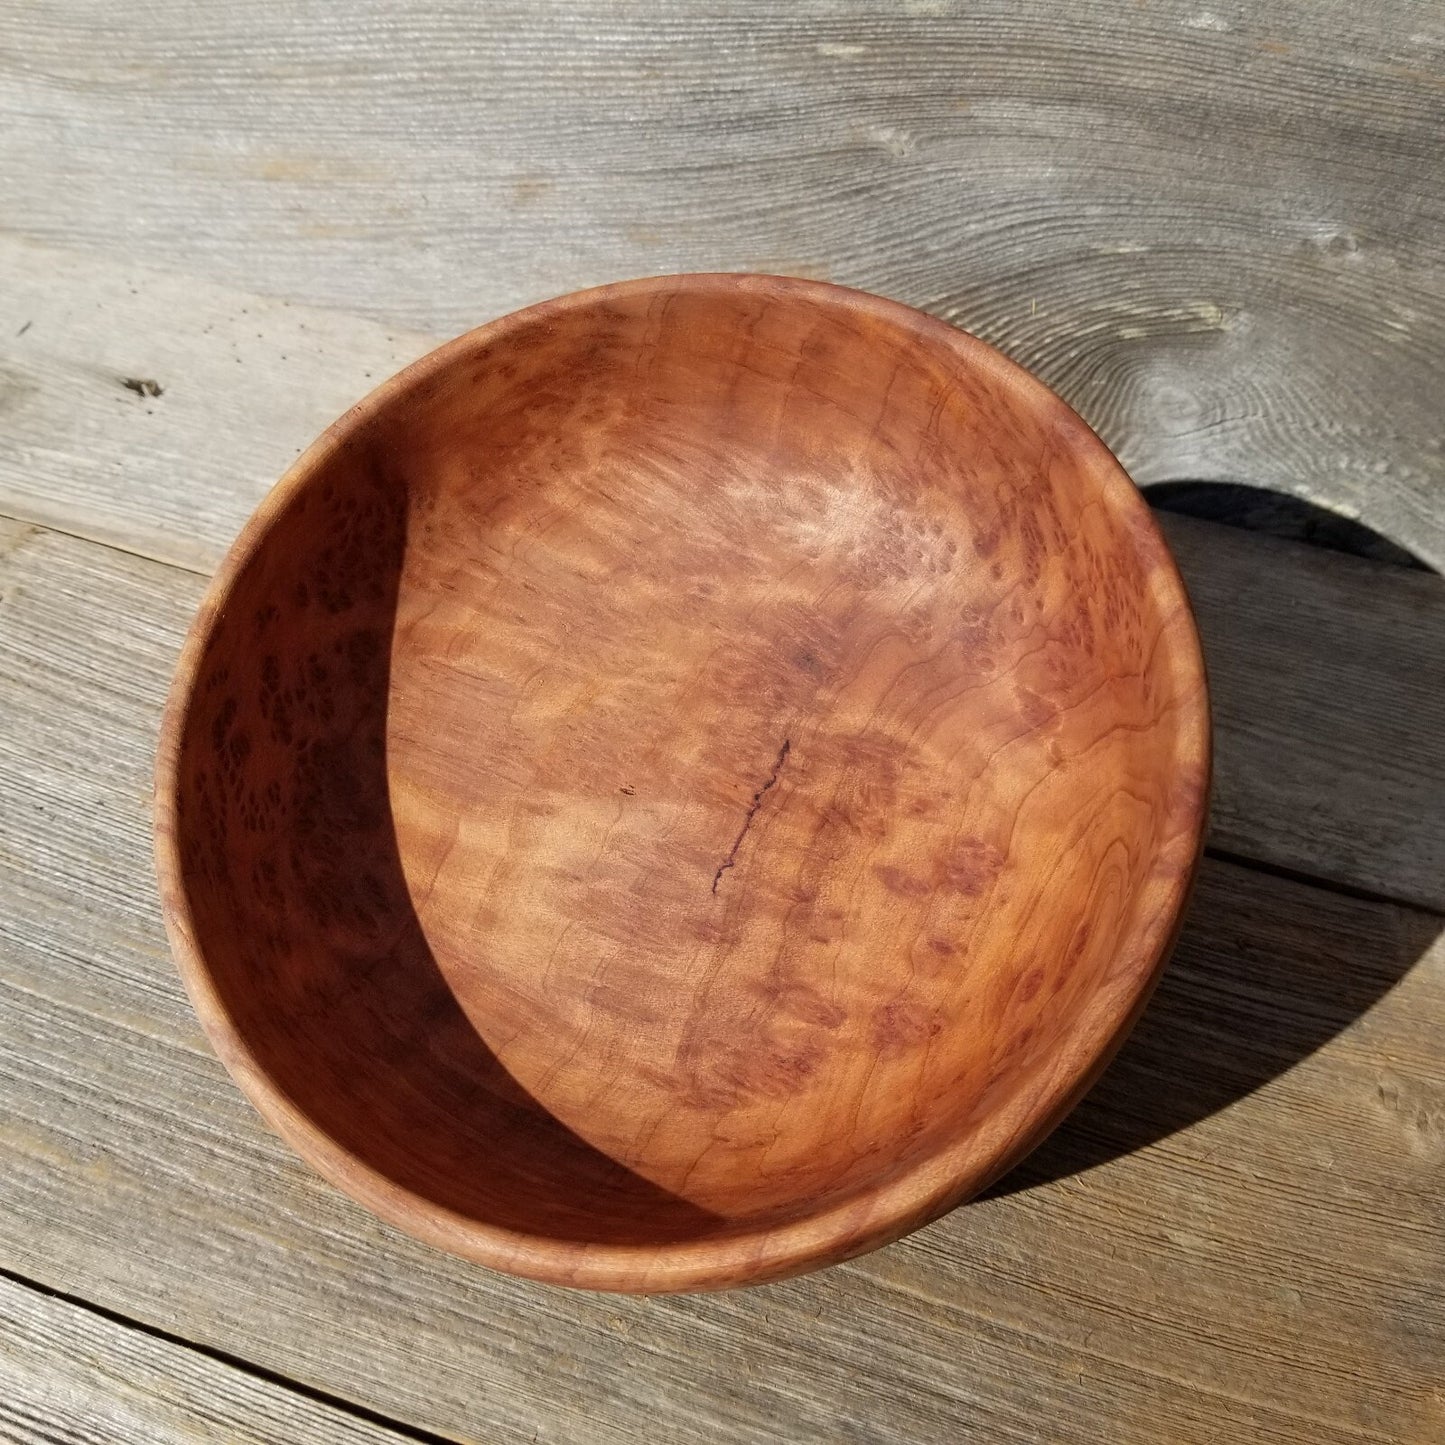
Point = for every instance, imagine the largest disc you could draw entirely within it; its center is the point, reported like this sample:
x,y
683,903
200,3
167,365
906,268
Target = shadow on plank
x,y
1268,968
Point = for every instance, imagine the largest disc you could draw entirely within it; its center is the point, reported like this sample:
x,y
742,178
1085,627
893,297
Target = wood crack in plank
x,y
41,524
364,1422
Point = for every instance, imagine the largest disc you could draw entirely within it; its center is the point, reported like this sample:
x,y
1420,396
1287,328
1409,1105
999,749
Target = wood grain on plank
x,y
241,383
1252,1249
69,1376
176,476
1215,228
1327,678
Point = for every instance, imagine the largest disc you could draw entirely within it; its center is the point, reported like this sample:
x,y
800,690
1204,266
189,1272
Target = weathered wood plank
x,y
1215,228
1331,729
245,383
1256,1255
1327,680
70,1375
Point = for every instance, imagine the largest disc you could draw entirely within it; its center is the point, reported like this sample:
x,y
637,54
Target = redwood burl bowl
x,y
685,783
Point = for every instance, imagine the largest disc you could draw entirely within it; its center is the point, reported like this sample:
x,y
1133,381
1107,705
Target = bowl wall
x,y
685,782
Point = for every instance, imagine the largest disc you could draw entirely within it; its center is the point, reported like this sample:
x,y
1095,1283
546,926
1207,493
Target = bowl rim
x,y
875,1215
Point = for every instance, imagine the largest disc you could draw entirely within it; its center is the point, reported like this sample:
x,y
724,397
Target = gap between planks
x,y
387,1429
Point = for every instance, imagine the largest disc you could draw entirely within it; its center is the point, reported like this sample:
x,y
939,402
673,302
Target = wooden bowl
x,y
685,783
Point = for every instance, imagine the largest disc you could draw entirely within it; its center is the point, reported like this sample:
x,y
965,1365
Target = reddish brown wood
x,y
685,783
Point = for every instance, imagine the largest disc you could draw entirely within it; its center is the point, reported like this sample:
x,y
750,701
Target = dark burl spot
x,y
935,957
985,543
280,717
1030,984
796,1000
364,651
781,1073
1186,789
902,1026
725,1075
1035,549
221,724
905,885
975,633
1035,710
266,881
970,867
1078,630
328,803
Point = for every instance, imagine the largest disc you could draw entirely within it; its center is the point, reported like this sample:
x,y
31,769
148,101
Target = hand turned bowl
x,y
685,783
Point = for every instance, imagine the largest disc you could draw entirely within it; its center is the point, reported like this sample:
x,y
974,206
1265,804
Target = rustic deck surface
x,y
1218,230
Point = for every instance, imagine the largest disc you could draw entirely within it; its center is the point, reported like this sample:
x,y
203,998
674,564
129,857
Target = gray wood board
x,y
1327,684
1238,1236
1216,228
70,1375
245,383
1326,672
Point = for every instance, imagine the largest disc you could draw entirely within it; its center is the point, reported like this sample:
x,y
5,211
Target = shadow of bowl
x,y
1250,993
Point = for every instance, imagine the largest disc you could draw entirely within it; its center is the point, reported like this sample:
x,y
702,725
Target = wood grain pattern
x,y
1244,283
245,383
1242,1239
1347,654
71,1377
729,754
1328,679
1215,229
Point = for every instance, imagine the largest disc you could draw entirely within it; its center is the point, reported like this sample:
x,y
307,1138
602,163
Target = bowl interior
x,y
687,759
